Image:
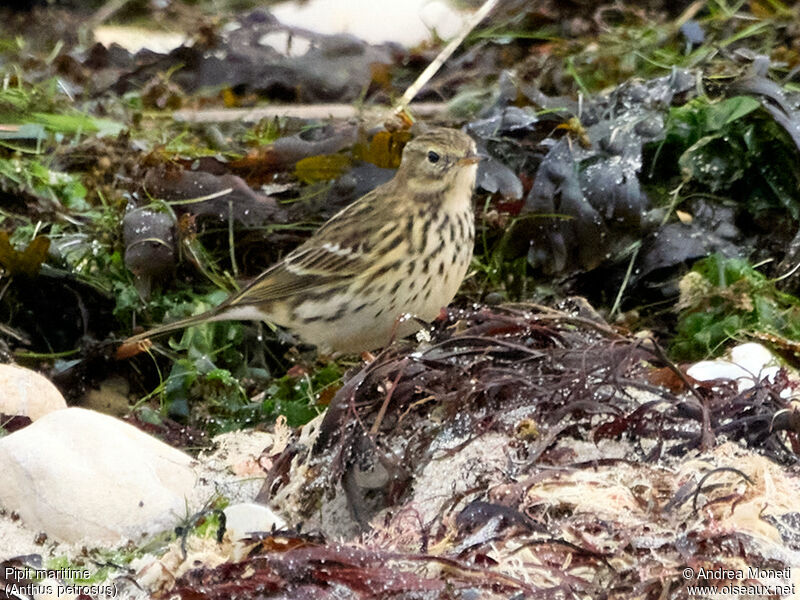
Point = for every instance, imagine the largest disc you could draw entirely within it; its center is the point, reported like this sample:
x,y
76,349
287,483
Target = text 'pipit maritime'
x,y
402,248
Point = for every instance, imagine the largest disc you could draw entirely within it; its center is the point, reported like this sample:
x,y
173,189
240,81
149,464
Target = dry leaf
x,y
323,167
25,262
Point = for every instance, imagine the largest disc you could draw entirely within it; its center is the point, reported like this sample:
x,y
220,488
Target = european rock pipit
x,y
403,248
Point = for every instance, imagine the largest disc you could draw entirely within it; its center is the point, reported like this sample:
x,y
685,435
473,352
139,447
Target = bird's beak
x,y
470,159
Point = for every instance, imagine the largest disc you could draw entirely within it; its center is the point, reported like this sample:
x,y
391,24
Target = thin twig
x,y
446,52
390,392
231,241
305,111
707,435
625,280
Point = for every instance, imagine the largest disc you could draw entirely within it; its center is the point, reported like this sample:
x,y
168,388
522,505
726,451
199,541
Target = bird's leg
x,y
401,318
285,338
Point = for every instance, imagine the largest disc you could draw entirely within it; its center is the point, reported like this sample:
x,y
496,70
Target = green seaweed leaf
x,y
724,299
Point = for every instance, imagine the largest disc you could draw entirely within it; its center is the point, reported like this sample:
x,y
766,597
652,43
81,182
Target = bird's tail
x,y
205,317
224,312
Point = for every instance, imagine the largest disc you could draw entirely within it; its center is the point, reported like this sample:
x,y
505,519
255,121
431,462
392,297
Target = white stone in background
x,y
749,363
26,392
81,476
376,21
134,39
441,17
409,23
247,517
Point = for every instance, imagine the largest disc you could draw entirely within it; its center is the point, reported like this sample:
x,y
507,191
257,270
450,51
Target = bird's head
x,y
438,159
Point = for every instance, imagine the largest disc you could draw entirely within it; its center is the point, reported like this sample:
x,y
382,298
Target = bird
x,y
403,248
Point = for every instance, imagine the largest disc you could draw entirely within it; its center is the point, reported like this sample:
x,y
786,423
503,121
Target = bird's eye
x,y
433,157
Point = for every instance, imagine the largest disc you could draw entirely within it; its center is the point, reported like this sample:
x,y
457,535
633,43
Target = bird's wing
x,y
306,269
332,255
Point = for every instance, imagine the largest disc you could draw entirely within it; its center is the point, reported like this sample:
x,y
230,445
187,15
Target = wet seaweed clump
x,y
525,450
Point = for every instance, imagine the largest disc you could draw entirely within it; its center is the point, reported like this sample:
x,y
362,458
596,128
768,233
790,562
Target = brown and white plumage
x,y
402,248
